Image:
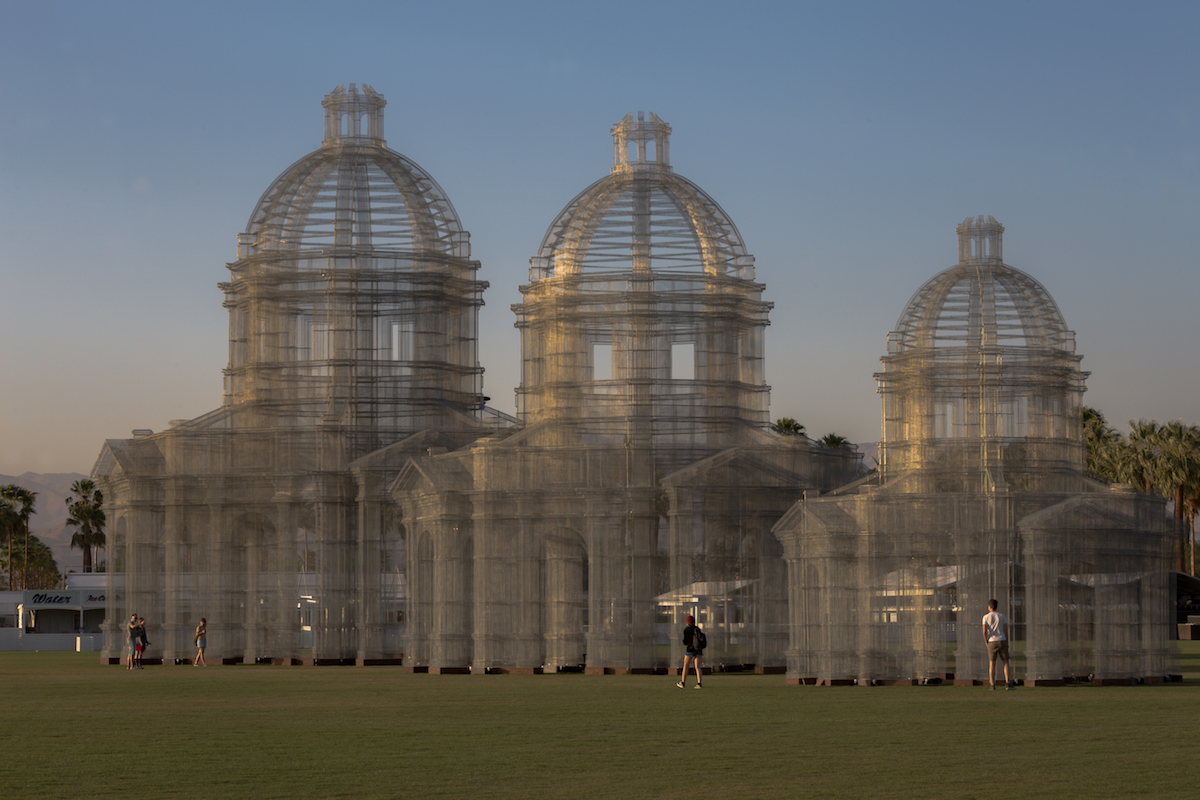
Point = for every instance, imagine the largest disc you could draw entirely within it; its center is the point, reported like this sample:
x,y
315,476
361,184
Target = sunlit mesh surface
x,y
645,480
353,310
980,494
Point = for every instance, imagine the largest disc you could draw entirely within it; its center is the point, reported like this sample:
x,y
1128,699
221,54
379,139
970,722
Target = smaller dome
x,y
642,218
354,192
981,302
981,384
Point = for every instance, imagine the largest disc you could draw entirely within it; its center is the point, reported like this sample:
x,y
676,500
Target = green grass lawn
x,y
72,728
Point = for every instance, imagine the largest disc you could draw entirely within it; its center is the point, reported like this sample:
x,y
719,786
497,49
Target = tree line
x,y
787,426
1161,459
28,563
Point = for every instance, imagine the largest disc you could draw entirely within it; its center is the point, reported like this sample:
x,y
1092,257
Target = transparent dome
x,y
354,192
354,296
642,305
642,217
980,370
981,302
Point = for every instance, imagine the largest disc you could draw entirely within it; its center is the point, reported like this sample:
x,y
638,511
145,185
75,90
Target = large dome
x,y
981,372
354,192
642,218
981,302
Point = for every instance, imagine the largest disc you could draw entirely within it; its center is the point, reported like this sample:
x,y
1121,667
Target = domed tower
x,y
353,304
642,320
981,373
981,495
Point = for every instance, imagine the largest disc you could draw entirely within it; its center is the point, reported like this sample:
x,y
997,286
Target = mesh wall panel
x,y
353,310
644,481
981,494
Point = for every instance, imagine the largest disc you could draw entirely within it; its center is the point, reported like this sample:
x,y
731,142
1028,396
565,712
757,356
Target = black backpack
x,y
699,640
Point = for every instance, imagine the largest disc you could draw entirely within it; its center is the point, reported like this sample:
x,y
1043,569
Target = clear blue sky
x,y
846,140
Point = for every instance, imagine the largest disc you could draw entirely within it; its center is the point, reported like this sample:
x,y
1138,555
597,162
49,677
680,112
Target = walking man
x,y
995,634
694,641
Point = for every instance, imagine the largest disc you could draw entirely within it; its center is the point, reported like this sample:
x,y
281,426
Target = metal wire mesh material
x,y
981,493
644,479
353,310
355,499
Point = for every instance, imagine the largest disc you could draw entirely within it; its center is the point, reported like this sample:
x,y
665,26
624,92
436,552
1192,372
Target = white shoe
x,y
681,685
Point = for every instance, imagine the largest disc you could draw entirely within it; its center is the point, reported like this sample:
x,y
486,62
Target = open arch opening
x,y
565,600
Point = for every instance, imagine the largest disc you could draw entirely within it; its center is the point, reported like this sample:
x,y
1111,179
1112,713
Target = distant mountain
x,y
49,520
870,451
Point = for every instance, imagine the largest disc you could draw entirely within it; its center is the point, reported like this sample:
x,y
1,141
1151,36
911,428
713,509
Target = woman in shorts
x,y
132,641
201,643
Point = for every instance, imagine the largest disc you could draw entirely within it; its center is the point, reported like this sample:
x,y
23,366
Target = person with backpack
x,y
141,643
694,642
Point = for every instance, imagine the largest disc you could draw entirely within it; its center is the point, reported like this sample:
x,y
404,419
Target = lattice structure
x,y
644,481
981,493
353,309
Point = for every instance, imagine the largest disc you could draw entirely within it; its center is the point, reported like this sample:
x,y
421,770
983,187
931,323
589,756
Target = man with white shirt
x,y
995,634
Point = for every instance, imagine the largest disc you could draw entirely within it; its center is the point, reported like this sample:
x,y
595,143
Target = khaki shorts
x,y
999,648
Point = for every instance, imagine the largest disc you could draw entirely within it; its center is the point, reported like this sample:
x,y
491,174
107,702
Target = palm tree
x,y
786,426
1163,459
833,441
9,523
1180,445
1141,461
1106,449
1191,506
87,514
22,501
38,567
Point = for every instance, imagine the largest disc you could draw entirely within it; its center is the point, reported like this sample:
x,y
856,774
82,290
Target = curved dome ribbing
x,y
980,302
685,229
355,195
642,218
355,192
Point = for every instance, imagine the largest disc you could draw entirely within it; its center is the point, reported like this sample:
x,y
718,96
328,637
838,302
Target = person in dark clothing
x,y
141,645
693,648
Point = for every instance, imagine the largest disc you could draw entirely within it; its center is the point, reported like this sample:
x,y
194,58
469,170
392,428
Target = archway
x,y
564,599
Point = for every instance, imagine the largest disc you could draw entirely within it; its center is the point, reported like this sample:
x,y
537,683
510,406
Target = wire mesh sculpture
x,y
644,479
353,310
981,493
355,499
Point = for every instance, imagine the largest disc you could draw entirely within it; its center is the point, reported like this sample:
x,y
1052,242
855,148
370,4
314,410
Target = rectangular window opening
x,y
401,341
602,362
683,361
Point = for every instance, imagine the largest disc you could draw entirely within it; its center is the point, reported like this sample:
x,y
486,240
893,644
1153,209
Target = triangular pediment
x,y
446,473
121,458
734,467
1086,511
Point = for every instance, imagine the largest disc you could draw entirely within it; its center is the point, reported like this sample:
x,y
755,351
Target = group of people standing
x,y
138,642
995,636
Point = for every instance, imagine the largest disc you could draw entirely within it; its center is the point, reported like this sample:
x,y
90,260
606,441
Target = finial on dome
x,y
353,115
980,239
641,144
